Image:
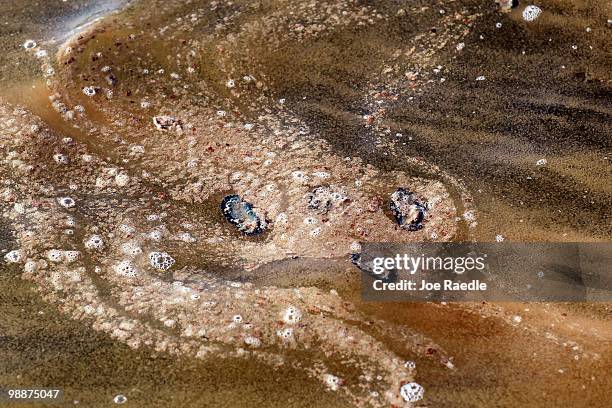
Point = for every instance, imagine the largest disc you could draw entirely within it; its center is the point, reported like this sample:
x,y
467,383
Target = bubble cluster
x,y
531,13
122,180
13,256
333,382
292,315
94,242
411,365
285,334
252,341
89,90
320,199
187,237
61,158
55,255
29,44
131,248
161,260
125,268
66,202
71,256
412,392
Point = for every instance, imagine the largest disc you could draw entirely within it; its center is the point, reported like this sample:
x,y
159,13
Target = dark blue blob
x,y
242,215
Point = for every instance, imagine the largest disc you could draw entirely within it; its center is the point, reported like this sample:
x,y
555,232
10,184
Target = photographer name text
x,y
423,285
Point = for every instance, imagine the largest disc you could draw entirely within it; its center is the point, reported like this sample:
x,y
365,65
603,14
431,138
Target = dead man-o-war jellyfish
x,y
243,215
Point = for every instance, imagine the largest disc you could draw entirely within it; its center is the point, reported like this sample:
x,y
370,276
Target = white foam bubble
x,y
412,392
531,13
66,202
89,91
94,242
13,256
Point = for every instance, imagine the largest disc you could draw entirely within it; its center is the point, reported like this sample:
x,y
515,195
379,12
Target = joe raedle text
x,y
423,285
